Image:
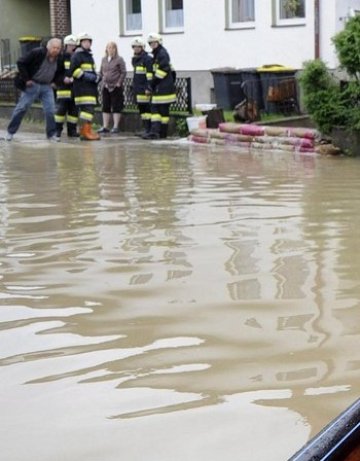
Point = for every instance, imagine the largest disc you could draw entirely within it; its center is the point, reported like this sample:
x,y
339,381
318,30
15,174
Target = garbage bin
x,y
28,43
278,85
251,86
227,87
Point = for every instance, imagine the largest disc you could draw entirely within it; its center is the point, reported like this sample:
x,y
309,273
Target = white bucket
x,y
205,107
196,122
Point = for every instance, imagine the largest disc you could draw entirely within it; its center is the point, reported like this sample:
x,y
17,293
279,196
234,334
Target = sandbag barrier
x,y
249,136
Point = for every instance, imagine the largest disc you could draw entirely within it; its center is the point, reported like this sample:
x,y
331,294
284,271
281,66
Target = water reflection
x,y
155,291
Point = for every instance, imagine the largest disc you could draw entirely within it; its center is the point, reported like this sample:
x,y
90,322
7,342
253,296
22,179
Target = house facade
x,y
208,34
200,34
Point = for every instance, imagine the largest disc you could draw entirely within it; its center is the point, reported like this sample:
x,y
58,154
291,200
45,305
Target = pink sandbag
x,y
203,132
306,143
306,149
231,136
199,139
302,142
307,133
252,130
229,127
242,128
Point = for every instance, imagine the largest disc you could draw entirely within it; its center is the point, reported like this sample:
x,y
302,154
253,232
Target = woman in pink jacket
x,y
113,73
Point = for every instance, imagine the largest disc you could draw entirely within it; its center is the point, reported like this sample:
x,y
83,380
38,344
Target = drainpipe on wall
x,y
317,29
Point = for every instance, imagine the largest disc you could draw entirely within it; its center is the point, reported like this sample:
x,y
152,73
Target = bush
x,y
323,98
347,44
326,100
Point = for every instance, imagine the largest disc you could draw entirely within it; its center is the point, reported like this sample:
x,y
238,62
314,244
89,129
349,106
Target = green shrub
x,y
347,44
322,96
329,102
181,127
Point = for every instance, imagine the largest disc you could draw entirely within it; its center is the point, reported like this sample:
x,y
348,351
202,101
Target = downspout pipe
x,y
317,29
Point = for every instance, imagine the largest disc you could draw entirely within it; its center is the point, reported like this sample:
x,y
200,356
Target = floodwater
x,y
172,302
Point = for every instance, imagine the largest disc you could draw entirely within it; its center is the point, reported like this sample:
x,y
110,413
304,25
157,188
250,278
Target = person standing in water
x,y
143,73
162,88
83,71
113,73
39,71
66,109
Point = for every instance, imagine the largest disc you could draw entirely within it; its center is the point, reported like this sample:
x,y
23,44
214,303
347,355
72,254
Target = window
x,y
240,13
172,15
289,12
130,13
290,9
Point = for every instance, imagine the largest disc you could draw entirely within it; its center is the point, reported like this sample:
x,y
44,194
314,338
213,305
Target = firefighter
x,y
142,64
162,88
83,71
65,104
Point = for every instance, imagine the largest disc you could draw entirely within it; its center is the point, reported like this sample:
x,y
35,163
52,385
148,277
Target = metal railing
x,y
183,95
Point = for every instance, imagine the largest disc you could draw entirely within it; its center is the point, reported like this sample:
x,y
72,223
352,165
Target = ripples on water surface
x,y
174,303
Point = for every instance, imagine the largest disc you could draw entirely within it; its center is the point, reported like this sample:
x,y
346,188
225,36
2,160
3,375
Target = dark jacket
x,y
163,83
29,64
143,74
82,66
64,90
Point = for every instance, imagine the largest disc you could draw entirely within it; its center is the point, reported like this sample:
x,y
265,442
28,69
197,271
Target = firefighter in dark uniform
x,y
162,89
65,104
85,86
143,73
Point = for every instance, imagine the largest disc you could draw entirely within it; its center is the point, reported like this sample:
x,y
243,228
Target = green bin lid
x,y
29,38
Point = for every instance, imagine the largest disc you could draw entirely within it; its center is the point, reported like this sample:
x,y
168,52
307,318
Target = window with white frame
x,y
240,13
172,15
132,17
289,12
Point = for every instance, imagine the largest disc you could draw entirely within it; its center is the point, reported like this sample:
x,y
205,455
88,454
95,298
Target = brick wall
x,y
60,18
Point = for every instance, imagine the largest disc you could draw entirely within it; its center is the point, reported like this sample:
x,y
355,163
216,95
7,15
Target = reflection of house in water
x,y
4,212
285,278
257,265
139,195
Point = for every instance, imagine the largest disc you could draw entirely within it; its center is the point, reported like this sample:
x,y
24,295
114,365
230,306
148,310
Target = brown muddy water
x,y
171,302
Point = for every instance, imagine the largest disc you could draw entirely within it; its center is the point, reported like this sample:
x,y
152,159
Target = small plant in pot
x,y
333,105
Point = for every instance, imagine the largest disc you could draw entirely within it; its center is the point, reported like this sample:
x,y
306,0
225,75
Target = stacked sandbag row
x,y
264,137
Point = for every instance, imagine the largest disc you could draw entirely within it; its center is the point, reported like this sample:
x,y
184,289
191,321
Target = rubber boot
x,y
146,128
87,133
82,131
71,130
154,132
59,128
163,131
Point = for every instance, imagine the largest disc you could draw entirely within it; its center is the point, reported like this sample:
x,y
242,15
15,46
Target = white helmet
x,y
138,41
83,36
70,40
154,37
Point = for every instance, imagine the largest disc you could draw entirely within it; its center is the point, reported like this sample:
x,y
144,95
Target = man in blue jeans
x,y
38,71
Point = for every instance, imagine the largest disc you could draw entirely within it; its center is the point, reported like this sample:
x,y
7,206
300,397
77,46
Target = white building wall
x,y
206,44
100,18
333,15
